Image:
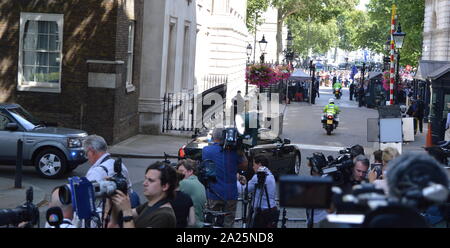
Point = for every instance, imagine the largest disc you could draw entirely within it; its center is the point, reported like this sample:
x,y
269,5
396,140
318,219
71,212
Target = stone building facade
x,y
221,45
74,62
436,33
168,57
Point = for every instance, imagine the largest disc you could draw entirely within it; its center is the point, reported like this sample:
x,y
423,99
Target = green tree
x,y
320,11
317,36
350,23
254,10
410,14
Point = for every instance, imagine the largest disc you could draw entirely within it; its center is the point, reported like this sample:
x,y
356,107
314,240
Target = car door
x,y
8,140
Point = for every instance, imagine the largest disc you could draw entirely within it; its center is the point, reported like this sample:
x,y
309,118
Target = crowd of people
x,y
176,198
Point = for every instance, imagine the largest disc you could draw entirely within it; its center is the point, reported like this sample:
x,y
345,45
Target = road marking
x,y
318,147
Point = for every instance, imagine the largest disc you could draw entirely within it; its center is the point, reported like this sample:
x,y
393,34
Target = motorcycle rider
x,y
338,86
333,109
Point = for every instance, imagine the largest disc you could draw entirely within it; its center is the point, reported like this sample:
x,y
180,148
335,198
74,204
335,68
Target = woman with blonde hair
x,y
389,154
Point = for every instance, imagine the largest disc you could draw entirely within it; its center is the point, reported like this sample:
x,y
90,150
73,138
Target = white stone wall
x,y
436,35
221,43
168,58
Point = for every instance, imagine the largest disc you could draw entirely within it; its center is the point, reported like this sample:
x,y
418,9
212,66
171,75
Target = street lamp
x,y
398,37
249,52
262,47
289,53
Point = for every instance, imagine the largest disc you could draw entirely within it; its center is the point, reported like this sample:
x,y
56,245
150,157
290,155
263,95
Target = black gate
x,y
178,112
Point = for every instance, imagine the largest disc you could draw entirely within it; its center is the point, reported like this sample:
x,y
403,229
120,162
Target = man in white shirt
x,y
95,148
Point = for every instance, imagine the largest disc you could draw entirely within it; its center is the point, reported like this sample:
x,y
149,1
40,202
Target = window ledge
x,y
38,89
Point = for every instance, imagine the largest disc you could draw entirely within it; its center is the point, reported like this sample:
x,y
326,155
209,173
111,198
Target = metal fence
x,y
213,80
178,112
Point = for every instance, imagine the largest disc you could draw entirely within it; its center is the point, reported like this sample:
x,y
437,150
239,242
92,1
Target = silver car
x,y
54,151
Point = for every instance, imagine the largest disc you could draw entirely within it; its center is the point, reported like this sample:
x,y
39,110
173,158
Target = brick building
x,y
74,62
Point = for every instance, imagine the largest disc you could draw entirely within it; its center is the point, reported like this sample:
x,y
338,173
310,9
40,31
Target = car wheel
x,y
50,163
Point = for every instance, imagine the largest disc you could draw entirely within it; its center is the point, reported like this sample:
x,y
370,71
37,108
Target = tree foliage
x,y
410,14
320,37
322,12
254,10
338,23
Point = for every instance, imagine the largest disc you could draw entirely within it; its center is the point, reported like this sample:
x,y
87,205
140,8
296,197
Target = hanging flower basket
x,y
283,72
261,75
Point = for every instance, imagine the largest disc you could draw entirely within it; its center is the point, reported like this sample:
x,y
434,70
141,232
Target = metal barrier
x,y
178,112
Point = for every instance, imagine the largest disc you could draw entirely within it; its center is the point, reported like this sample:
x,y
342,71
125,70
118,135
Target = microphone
x,y
54,216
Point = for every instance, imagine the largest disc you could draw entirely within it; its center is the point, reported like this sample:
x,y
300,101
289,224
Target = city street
x,y
301,125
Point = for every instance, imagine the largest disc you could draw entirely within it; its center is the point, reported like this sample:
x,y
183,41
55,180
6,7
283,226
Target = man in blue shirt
x,y
222,195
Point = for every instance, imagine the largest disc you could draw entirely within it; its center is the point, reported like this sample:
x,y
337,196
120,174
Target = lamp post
x,y
249,53
289,53
312,73
262,47
363,72
399,37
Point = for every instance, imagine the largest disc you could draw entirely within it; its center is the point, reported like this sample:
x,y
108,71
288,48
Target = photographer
x,y
358,173
222,195
102,165
159,188
264,187
193,187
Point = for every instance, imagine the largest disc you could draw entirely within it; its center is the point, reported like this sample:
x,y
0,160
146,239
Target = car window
x,y
28,121
3,121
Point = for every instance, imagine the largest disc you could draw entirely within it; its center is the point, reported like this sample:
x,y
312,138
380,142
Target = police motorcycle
x,y
338,93
330,120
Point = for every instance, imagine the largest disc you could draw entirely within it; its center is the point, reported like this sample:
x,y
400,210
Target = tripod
x,y
261,185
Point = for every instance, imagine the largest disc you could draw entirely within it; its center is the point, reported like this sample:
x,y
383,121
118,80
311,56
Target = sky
x,y
362,4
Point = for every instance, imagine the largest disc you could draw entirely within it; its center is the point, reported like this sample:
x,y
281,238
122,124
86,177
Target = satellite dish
x,y
240,124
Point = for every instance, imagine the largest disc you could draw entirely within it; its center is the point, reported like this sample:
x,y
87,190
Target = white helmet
x,y
331,100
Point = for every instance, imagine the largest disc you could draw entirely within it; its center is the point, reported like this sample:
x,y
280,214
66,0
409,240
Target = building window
x,y
130,86
40,52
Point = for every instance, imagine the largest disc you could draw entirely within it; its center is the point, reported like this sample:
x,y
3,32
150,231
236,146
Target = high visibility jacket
x,y
331,108
337,86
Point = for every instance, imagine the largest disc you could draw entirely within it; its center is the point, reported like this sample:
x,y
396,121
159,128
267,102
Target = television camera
x,y
81,193
417,185
28,212
339,168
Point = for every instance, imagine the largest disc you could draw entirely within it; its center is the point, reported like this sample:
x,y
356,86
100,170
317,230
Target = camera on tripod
x,y
27,212
82,193
261,175
338,169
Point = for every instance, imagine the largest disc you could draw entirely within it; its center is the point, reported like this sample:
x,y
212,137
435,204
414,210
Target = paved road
x,y
303,127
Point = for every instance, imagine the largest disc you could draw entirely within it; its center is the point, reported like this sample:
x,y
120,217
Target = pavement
x,y
158,145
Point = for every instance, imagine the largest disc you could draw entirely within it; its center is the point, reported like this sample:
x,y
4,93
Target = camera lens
x,y
65,195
